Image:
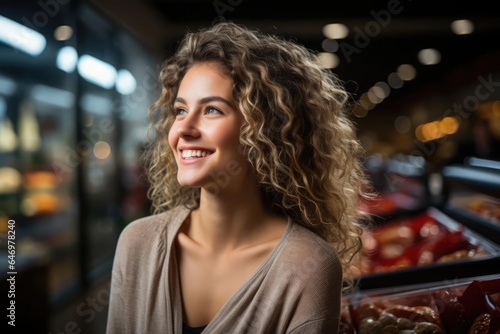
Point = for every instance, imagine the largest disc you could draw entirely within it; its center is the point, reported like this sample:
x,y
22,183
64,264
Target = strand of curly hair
x,y
296,134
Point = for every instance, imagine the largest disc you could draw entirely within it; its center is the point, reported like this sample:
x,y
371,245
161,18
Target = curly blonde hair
x,y
296,132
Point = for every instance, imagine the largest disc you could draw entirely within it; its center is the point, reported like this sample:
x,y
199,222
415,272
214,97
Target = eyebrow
x,y
207,100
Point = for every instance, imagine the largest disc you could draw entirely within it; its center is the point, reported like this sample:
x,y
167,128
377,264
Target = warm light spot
x,y
448,125
328,60
374,98
496,108
406,72
360,111
102,150
63,33
336,31
431,131
419,134
365,102
382,89
10,180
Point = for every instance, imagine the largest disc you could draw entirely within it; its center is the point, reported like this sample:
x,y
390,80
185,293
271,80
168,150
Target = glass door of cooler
x,y
118,80
38,182
97,144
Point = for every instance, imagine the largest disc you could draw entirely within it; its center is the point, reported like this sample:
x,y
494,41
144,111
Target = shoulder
x,y
313,273
311,263
307,249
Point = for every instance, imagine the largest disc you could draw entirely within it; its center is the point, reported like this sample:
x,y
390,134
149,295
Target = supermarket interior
x,y
77,78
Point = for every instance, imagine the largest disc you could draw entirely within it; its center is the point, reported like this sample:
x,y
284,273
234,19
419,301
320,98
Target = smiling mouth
x,y
194,154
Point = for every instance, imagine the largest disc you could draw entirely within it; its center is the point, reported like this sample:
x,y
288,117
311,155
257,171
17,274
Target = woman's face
x,y
205,134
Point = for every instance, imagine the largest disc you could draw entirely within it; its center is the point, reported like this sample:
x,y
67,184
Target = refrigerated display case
x,y
37,122
472,197
401,184
470,305
113,121
423,247
69,150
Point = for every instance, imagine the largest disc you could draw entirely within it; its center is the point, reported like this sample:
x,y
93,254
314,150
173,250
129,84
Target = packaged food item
x,y
467,307
476,309
408,313
418,240
486,207
346,326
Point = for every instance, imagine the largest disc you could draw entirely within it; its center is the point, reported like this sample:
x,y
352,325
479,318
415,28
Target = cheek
x,y
172,138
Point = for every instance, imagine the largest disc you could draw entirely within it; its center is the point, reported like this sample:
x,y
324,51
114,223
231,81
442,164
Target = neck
x,y
229,220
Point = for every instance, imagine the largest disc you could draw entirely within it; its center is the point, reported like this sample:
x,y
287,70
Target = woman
x,y
255,180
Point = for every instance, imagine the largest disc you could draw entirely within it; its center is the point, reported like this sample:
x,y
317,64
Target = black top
x,y
192,330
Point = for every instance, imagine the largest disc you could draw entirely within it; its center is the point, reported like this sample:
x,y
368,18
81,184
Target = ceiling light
x,y
359,111
335,31
328,60
365,102
63,33
125,82
67,58
462,27
373,97
395,80
382,89
21,37
406,72
429,56
97,71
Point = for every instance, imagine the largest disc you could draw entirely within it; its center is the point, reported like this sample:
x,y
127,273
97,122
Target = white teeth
x,y
186,154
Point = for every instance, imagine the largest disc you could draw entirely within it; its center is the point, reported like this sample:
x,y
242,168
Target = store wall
x,y
74,93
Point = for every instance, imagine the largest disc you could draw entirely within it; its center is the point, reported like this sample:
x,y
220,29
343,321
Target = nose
x,y
188,127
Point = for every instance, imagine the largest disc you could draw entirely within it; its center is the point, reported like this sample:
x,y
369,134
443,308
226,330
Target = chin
x,y
189,181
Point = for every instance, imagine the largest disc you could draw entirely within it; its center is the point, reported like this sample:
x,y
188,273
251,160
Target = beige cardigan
x,y
295,290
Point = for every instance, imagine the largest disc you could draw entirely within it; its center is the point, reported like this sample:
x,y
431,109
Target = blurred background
x,y
77,78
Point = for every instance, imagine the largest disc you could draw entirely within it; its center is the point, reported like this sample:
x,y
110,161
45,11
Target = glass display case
x,y
37,126
472,197
469,305
423,247
74,95
401,184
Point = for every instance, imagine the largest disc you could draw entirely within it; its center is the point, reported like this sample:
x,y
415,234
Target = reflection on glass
x,y
102,150
97,71
29,133
125,82
8,138
7,86
21,37
96,104
54,96
67,59
63,33
10,180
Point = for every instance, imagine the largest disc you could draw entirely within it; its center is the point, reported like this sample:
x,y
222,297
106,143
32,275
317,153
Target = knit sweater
x,y
297,289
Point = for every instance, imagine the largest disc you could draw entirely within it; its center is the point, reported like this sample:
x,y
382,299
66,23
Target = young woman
x,y
255,178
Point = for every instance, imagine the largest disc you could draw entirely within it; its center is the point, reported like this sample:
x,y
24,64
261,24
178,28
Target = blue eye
x,y
213,111
180,111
